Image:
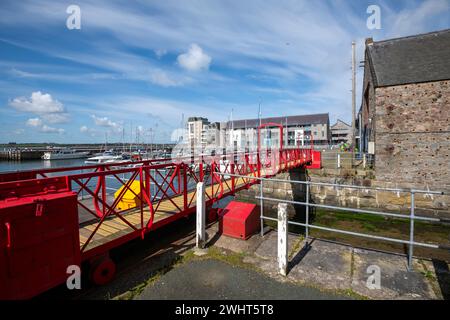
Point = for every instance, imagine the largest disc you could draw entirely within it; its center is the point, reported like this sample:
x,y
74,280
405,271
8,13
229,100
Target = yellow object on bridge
x,y
129,199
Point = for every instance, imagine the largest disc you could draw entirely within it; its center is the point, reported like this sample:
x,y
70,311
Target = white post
x,y
282,238
261,206
338,160
364,160
201,219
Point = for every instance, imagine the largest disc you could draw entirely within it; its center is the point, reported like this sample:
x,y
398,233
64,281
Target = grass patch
x,y
428,274
350,293
369,227
296,246
230,257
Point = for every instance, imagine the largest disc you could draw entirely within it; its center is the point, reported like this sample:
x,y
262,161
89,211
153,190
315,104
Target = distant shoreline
x,y
109,145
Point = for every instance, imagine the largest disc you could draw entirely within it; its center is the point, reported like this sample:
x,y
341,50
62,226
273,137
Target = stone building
x,y
404,117
341,132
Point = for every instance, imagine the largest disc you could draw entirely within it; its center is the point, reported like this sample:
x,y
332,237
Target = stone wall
x,y
427,205
413,135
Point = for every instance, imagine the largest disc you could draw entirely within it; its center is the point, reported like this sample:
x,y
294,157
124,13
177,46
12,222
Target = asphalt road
x,y
213,279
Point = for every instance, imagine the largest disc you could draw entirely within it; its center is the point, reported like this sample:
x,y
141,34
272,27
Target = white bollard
x,y
282,238
339,160
201,218
364,160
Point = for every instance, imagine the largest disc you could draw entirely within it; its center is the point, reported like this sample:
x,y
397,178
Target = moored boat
x,y
66,153
106,157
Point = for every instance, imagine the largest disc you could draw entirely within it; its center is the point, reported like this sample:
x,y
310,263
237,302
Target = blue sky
x,y
142,64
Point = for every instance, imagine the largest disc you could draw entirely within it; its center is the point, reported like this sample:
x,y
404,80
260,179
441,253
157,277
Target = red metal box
x,y
239,220
316,162
39,239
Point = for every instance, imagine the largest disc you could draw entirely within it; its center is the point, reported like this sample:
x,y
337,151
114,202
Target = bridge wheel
x,y
102,271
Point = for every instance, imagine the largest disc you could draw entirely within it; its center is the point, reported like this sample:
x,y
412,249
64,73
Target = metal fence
x,y
412,216
347,160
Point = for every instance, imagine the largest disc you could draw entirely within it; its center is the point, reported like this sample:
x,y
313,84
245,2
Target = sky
x,y
139,66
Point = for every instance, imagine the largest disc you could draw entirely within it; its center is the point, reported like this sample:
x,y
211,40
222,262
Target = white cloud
x,y
48,109
141,132
195,59
56,117
115,127
168,112
162,78
160,53
34,122
38,123
413,20
19,131
105,122
46,129
39,103
90,131
298,46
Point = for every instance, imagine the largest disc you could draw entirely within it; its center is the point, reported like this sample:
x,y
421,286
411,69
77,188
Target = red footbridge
x,y
54,218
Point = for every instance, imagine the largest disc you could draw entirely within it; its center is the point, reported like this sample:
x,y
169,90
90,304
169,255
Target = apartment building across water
x,y
297,130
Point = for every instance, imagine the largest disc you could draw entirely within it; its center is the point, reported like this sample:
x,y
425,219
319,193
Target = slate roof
x,y
414,59
338,122
291,120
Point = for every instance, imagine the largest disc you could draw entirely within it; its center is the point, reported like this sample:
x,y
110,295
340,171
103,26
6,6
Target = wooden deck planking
x,y
113,227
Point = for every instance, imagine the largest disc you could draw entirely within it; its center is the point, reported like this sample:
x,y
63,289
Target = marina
x,y
158,150
23,158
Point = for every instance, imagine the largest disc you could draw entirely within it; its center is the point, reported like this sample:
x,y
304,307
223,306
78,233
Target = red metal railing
x,y
162,183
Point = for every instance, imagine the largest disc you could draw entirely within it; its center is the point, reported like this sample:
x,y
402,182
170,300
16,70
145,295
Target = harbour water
x,y
39,164
112,184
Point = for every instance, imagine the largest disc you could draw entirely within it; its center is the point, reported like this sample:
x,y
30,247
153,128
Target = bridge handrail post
x,y
233,181
200,169
82,189
282,239
143,190
185,200
261,207
258,160
103,184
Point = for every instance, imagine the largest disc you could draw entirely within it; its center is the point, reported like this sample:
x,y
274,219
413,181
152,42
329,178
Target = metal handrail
x,y
346,185
412,216
387,214
428,245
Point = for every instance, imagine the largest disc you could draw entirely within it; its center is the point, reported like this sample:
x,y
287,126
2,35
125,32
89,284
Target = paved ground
x,y
151,269
338,267
213,279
